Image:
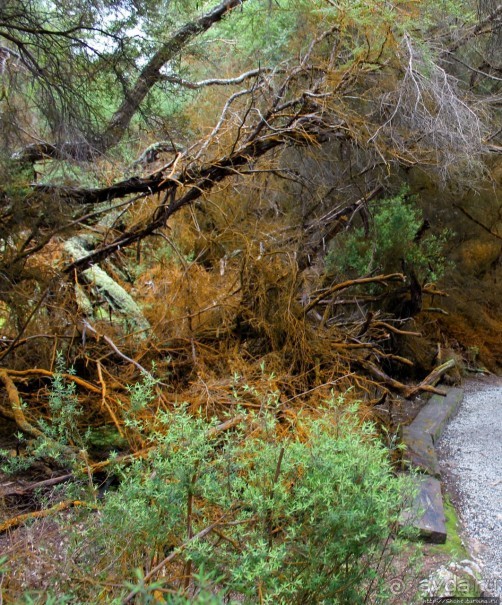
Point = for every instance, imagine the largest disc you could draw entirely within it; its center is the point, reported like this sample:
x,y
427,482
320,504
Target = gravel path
x,y
470,452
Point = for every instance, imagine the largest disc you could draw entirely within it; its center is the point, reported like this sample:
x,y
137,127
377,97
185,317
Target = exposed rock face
x,y
457,579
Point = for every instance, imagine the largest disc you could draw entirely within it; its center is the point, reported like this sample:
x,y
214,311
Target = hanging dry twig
x,y
87,326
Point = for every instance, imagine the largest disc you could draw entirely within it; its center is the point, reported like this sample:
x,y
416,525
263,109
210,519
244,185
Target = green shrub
x,y
298,521
61,435
390,240
309,517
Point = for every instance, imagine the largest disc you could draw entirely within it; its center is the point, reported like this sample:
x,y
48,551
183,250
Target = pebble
x,y
470,455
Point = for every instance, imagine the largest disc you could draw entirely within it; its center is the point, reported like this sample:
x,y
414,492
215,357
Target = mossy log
x,y
121,302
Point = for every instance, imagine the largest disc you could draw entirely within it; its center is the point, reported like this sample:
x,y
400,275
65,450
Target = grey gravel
x,y
470,454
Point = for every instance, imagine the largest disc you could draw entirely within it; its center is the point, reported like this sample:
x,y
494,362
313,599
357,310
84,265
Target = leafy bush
x,y
391,239
259,513
291,520
58,434
64,408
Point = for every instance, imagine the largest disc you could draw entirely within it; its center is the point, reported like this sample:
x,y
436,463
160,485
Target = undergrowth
x,y
60,436
262,512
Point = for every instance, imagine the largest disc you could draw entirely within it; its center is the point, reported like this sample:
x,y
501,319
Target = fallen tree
x,y
262,293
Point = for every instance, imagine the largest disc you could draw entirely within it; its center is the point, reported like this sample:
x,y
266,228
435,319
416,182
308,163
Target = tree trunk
x,y
151,73
149,76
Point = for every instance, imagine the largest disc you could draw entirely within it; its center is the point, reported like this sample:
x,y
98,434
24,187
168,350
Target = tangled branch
x,y
427,111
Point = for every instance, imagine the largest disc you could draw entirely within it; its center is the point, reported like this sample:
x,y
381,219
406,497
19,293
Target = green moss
x,y
105,437
453,545
463,580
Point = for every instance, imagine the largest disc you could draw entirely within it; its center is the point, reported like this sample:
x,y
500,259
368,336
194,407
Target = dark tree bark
x,y
150,75
201,179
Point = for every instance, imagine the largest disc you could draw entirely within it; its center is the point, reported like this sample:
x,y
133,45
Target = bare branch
x,y
427,109
252,73
471,68
149,76
151,73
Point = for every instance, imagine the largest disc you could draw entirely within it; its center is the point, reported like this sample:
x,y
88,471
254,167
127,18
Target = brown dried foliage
x,y
227,239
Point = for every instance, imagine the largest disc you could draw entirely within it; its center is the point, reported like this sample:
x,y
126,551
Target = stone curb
x,y
427,511
434,416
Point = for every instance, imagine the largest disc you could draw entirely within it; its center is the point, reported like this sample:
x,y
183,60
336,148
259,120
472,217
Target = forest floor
x,y
470,452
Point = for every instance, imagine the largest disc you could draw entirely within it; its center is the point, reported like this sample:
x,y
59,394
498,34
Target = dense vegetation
x,y
212,246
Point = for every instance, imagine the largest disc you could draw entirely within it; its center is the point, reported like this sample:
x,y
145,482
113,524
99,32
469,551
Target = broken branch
x,y
39,514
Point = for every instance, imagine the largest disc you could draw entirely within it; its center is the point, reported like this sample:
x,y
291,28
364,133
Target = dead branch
x,y
432,290
199,181
225,426
474,220
39,514
20,490
198,536
107,339
41,372
397,386
149,76
252,73
380,375
433,378
104,401
430,102
434,310
17,410
486,26
395,330
17,414
297,122
353,345
330,224
127,458
26,323
353,282
332,383
399,358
